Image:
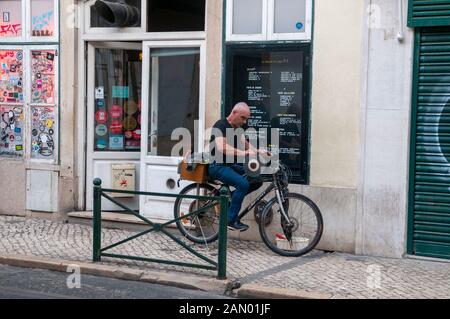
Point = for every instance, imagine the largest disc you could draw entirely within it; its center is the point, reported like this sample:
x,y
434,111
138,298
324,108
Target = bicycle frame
x,y
266,192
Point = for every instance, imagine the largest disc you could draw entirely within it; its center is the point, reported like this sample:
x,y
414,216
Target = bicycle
x,y
283,220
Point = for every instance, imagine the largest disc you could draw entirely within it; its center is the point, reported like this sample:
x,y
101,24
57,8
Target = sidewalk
x,y
252,269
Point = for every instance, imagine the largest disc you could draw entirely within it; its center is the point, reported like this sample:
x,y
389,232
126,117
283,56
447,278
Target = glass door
x,y
173,109
114,114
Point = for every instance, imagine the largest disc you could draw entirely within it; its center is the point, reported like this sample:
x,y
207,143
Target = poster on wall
x,y
43,128
11,76
11,131
43,70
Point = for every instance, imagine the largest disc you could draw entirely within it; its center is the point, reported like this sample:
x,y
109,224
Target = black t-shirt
x,y
233,137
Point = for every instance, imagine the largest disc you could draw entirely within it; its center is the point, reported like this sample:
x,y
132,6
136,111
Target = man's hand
x,y
264,153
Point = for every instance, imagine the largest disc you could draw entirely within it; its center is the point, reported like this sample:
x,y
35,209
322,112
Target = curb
x,y
123,273
178,280
263,292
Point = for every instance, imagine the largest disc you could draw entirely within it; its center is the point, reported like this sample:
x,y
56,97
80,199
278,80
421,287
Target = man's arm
x,y
249,147
228,150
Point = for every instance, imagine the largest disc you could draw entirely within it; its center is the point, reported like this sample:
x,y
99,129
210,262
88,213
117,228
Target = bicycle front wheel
x,y
297,236
203,227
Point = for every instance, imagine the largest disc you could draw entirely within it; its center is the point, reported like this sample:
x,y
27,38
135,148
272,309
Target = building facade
x,y
357,94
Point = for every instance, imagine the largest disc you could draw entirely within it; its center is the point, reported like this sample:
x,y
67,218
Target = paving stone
x,y
337,274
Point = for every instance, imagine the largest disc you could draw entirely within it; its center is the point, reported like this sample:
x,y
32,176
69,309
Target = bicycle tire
x,y
267,234
190,226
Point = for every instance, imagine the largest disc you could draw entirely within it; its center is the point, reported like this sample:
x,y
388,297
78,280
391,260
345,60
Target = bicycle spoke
x,y
298,235
199,227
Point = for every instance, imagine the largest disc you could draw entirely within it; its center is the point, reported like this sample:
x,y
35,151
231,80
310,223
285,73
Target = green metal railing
x,y
99,252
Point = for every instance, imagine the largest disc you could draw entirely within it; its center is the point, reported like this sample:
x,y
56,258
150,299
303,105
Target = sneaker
x,y
237,225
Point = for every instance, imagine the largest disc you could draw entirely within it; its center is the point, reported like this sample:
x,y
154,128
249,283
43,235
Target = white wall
x,y
385,113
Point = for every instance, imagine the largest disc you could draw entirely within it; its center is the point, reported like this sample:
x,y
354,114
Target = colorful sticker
x,y
101,130
131,107
101,144
43,68
130,123
116,142
116,112
11,77
120,92
101,117
100,93
11,130
116,127
100,103
42,132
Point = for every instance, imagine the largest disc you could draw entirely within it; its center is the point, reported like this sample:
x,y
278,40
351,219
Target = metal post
x,y
222,271
97,220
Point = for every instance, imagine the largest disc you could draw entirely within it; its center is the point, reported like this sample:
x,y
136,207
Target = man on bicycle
x,y
229,148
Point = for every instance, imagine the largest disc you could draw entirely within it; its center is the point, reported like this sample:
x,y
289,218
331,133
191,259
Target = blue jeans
x,y
232,176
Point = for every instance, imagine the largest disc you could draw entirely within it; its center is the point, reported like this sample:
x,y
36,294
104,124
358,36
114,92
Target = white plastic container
x,y
298,243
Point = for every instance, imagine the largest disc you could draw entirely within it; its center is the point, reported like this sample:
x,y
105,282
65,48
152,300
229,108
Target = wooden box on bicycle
x,y
196,172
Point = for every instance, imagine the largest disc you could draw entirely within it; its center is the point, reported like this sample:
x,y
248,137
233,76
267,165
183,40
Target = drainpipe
x,y
400,34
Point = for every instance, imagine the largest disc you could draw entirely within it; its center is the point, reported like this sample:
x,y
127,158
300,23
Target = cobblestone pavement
x,y
341,275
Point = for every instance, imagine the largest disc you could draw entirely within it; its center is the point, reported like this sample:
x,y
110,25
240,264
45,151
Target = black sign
x,y
274,83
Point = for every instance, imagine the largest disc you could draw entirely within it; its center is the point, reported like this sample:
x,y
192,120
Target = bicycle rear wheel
x,y
201,228
298,237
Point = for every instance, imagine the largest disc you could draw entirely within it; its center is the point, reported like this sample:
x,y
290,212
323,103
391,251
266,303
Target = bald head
x,y
241,107
239,115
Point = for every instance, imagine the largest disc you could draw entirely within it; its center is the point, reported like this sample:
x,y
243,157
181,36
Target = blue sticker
x,y
116,142
101,144
299,25
100,103
17,130
19,55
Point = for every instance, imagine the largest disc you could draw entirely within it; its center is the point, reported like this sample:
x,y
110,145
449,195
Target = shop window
x,y
43,101
11,19
29,79
118,75
274,81
289,16
247,16
28,20
43,18
265,20
11,103
116,14
175,87
176,15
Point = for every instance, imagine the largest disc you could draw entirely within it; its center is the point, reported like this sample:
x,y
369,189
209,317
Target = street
x,y
23,283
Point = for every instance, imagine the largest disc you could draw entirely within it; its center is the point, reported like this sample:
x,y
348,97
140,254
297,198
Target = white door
x,y
173,98
113,114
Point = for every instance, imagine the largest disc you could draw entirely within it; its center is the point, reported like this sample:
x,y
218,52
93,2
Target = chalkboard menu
x,y
274,83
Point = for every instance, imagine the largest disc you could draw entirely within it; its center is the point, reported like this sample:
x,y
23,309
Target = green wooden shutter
x,y
430,149
428,13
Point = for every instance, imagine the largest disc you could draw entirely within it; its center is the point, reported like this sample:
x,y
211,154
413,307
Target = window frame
x,y
30,37
26,49
268,25
23,105
245,37
301,36
96,30
91,102
56,105
24,27
27,26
